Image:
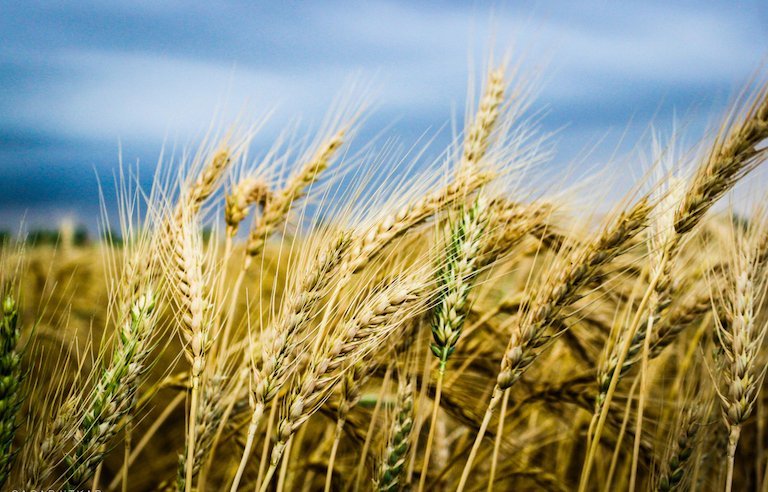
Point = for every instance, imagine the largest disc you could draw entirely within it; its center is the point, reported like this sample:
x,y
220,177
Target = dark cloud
x,y
79,77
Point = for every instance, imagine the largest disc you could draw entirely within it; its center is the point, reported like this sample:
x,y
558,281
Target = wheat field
x,y
315,319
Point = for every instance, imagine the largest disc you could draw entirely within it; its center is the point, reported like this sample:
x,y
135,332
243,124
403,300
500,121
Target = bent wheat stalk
x,y
279,341
546,308
379,316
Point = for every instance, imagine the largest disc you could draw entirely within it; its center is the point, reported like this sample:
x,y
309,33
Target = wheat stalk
x,y
546,308
280,203
186,274
207,420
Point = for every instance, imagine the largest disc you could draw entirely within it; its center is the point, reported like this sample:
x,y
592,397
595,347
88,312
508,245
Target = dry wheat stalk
x,y
368,243
509,222
279,342
354,378
546,307
563,291
208,419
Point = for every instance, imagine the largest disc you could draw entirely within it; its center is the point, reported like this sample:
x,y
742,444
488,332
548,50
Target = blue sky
x,y
82,80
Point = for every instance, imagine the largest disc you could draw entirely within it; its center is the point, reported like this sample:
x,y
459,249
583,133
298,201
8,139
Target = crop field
x,y
322,319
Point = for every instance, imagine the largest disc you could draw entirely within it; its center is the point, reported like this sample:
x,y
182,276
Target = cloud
x,y
102,71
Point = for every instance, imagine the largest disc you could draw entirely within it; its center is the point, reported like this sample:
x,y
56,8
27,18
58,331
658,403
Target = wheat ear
x,y
740,339
245,194
204,185
479,134
277,208
379,316
115,392
43,462
279,341
187,277
10,389
455,278
734,155
398,441
675,474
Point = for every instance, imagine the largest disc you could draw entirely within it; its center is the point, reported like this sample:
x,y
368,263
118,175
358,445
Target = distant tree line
x,y
78,237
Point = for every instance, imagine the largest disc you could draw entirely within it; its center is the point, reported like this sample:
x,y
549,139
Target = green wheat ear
x,y
398,443
10,383
455,278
